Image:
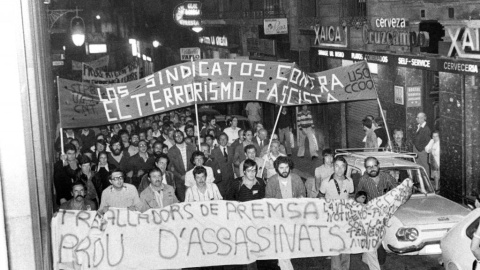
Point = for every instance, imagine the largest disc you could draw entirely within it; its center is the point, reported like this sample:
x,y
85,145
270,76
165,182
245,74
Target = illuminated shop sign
x,y
414,62
465,41
214,40
390,22
334,36
395,37
188,13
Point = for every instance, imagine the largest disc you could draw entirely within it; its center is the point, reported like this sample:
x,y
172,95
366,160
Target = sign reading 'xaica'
x,y
465,41
335,36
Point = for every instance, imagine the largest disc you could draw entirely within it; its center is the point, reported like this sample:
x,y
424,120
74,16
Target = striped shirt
x,y
385,183
304,120
212,193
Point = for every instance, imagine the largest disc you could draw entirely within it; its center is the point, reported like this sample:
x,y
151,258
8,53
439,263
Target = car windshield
x,y
420,180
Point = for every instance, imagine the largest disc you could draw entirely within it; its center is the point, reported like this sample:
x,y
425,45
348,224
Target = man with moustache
x,y
78,202
338,187
161,162
376,183
117,156
179,155
285,184
133,148
157,194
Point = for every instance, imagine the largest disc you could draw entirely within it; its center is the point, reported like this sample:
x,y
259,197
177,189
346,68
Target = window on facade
x,y
353,8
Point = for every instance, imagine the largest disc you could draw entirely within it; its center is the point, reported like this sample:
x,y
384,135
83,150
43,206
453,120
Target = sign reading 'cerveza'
x,y
221,232
209,81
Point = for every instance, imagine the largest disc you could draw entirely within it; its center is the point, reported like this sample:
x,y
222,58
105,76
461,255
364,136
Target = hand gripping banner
x,y
206,82
221,232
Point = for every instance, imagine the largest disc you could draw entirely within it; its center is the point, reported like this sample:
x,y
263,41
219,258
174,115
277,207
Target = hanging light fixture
x,y
77,29
197,29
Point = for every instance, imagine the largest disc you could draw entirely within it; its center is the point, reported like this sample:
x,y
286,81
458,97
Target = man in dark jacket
x,y
421,139
223,156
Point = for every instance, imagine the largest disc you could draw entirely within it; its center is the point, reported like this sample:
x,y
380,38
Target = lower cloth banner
x,y
221,232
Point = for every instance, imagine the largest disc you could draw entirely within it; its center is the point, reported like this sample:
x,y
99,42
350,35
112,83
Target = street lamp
x,y
197,29
156,43
77,29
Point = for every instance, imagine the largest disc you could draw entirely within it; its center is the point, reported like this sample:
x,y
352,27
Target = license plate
x,y
433,249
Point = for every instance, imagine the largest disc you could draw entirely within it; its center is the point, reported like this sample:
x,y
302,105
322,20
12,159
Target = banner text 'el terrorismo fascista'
x,y
207,82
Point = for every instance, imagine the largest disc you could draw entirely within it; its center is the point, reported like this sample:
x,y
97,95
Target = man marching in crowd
x,y
338,186
306,131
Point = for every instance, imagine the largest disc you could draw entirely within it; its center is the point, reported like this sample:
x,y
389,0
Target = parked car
x,y
455,245
417,226
222,119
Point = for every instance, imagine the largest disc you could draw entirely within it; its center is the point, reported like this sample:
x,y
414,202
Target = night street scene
x,y
240,135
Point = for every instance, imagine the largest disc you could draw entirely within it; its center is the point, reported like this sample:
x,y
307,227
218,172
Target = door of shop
x,y
355,112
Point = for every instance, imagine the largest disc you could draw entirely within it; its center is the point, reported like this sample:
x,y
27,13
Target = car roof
x,y
385,158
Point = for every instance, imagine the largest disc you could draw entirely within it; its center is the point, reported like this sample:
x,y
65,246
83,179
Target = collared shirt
x,y
190,178
232,134
211,193
158,195
385,183
405,147
285,187
183,150
329,188
421,126
304,120
123,198
150,198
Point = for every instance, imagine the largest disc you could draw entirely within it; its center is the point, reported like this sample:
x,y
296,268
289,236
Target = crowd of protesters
x,y
158,161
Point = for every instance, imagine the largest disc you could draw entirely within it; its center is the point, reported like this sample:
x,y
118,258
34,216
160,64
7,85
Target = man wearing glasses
x,y
376,183
119,194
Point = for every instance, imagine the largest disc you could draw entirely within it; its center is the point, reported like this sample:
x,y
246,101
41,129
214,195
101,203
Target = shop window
x,y
353,12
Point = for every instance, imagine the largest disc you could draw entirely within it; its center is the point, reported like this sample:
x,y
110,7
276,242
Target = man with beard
x,y
157,194
133,148
78,202
179,155
338,187
117,156
376,183
157,148
283,185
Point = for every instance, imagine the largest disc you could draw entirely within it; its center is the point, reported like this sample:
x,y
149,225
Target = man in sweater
x,y
420,141
305,127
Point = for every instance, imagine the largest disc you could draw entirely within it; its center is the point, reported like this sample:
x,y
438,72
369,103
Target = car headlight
x,y
407,234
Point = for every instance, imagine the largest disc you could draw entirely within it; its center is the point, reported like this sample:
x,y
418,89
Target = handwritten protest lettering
x,y
211,81
221,232
97,76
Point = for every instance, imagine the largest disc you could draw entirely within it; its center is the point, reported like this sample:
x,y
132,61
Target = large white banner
x,y
221,232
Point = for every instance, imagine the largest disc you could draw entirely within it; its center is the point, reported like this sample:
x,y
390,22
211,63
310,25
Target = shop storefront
x,y
444,88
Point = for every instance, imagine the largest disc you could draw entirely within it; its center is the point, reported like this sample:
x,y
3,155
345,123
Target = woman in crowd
x,y
232,129
102,170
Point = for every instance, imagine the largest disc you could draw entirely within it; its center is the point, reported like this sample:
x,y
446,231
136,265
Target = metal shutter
x,y
355,112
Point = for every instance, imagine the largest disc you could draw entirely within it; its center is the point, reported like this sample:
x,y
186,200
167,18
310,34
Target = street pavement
x,y
305,167
394,262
